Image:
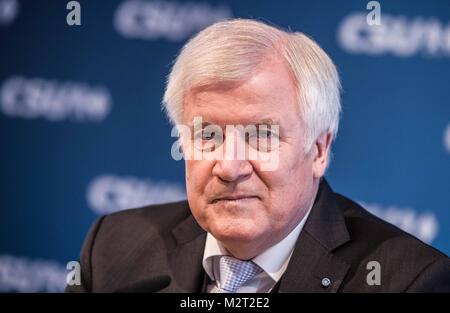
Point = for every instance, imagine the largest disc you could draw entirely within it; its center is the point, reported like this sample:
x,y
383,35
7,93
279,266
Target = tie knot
x,y
234,273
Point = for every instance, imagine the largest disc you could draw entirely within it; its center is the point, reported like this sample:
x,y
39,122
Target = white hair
x,y
231,50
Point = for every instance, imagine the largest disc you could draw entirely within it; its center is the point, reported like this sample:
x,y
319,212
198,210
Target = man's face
x,y
270,203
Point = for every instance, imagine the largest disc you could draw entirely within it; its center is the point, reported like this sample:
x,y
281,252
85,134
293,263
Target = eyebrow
x,y
265,122
203,125
256,123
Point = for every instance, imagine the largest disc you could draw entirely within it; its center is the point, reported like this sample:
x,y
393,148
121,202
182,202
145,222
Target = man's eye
x,y
207,140
262,140
265,134
261,134
208,136
205,135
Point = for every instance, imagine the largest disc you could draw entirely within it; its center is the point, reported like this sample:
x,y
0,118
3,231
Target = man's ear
x,y
321,149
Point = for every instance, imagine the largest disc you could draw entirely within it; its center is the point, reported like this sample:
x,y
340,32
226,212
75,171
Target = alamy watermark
x,y
74,16
374,16
205,141
73,278
373,278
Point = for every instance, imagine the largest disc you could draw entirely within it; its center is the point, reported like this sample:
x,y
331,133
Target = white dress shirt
x,y
273,261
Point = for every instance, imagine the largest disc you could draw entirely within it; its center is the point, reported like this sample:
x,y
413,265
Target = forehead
x,y
270,94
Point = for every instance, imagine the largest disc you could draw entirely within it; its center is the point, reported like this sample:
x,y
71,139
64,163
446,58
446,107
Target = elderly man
x,y
265,220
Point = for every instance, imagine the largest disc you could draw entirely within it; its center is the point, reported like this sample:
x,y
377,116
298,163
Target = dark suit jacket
x,y
337,242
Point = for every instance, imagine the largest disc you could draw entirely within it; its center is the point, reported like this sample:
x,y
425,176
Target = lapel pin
x,y
326,282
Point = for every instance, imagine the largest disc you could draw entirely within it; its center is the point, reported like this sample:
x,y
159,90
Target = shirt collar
x,y
273,261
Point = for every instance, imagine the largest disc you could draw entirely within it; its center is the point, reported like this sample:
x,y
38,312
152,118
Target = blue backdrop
x,y
82,133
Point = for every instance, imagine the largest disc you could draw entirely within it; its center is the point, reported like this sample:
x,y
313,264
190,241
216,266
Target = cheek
x,y
198,174
196,177
288,186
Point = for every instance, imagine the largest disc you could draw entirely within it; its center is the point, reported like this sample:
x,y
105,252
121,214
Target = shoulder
x,y
151,218
128,233
120,239
375,233
404,260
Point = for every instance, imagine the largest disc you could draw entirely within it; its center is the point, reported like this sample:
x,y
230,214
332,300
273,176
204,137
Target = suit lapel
x,y
313,259
185,260
181,260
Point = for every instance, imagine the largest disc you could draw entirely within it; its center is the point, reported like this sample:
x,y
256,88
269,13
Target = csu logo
x,y
169,20
401,36
53,100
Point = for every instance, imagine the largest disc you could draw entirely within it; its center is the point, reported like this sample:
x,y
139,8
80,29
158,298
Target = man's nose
x,y
233,163
232,170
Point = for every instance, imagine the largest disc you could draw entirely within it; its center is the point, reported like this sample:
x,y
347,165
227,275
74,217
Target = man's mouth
x,y
238,198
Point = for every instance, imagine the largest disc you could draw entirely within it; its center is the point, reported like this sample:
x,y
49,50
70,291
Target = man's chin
x,y
239,235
